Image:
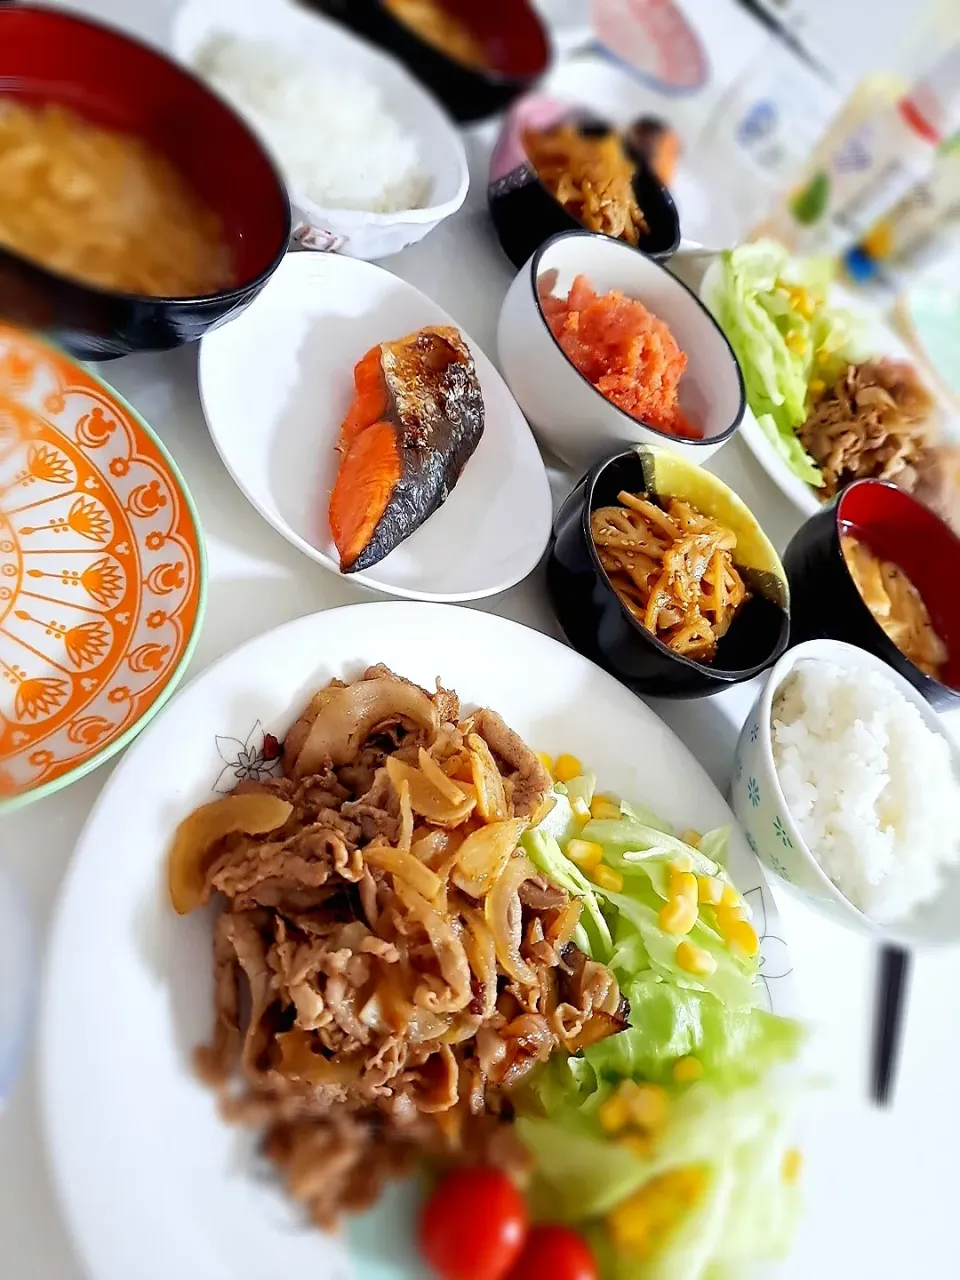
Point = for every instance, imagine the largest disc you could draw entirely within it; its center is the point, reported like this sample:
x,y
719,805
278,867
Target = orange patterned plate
x,y
102,571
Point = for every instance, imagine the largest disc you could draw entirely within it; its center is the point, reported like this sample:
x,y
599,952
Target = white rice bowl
x,y
330,130
364,134
872,789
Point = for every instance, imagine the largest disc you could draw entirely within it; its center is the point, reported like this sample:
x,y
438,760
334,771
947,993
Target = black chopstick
x,y
892,983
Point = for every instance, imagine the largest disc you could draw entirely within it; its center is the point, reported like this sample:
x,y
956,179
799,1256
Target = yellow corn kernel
x,y
607,878
638,1144
638,1223
581,811
677,916
730,897
709,890
727,920
743,936
683,884
691,837
604,807
792,1164
796,343
817,387
804,304
585,853
546,761
686,1184
630,1225
646,1103
695,960
566,768
613,1114
823,357
686,1070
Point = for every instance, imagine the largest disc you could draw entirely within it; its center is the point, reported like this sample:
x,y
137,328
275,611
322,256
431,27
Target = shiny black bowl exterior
x,y
94,325
526,214
53,56
467,93
601,628
826,604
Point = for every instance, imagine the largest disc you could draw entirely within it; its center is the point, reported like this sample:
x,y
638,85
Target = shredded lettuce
x,y
775,313
732,1122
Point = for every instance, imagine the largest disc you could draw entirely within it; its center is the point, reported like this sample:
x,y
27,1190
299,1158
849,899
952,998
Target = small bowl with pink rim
x,y
569,415
762,810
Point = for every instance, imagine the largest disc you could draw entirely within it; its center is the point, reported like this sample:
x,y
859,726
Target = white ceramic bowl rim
x,y
838,652
724,675
881,639
712,441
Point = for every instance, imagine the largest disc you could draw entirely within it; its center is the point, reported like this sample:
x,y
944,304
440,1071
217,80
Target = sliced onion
x,y
299,1062
482,955
406,818
349,716
425,799
253,814
448,949
561,930
445,785
491,798
484,854
433,847
504,914
406,867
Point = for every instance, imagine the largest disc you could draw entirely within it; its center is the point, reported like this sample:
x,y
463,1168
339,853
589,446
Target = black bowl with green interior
x,y
600,626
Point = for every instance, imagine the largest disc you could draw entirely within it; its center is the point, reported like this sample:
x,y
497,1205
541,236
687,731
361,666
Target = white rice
x,y
871,788
330,132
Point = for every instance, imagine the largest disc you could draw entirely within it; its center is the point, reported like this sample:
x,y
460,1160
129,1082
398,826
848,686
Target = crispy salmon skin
x,y
416,417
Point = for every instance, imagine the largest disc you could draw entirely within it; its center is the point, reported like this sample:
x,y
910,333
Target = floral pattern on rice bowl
x,y
100,567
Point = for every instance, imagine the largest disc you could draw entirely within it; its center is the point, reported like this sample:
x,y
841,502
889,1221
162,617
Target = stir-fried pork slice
x,y
531,783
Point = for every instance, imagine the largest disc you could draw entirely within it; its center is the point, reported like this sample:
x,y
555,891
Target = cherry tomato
x,y
473,1226
555,1253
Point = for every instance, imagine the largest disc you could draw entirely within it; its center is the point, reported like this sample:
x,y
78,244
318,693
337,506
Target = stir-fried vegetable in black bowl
x,y
660,574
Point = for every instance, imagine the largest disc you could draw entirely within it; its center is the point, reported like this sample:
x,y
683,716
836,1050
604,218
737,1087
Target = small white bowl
x,y
324,44
758,801
568,414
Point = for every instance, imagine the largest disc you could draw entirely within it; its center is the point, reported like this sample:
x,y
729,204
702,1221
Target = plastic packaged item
x,y
919,232
869,167
874,94
17,981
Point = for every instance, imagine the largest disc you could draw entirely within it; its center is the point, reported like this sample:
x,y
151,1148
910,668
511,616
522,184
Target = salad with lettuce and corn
x,y
669,1144
791,343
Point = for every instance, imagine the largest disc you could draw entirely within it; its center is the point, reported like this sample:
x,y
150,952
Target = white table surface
x,y
880,1185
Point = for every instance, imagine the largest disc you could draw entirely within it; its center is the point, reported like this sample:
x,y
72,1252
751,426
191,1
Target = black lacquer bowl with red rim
x,y
827,603
118,83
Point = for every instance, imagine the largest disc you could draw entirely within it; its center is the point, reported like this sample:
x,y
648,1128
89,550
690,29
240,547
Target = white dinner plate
x,y
880,339
276,384
155,1186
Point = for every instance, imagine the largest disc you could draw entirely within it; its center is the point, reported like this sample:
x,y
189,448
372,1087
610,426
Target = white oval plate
x,y
276,384
326,44
882,340
155,1186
